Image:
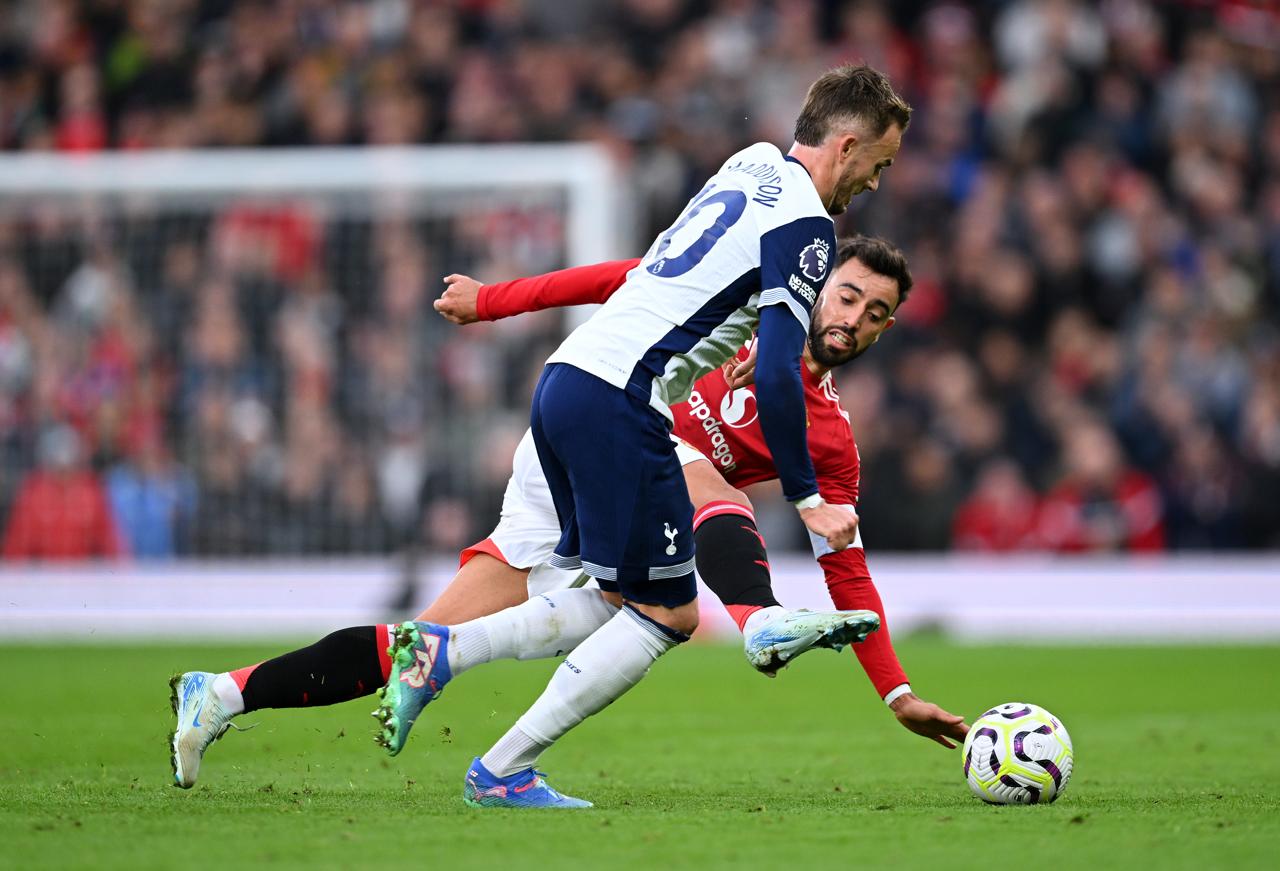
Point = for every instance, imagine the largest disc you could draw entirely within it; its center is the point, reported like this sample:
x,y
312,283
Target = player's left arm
x,y
780,400
794,261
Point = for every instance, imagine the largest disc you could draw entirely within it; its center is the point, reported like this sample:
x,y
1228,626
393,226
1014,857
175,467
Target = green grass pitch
x,y
705,765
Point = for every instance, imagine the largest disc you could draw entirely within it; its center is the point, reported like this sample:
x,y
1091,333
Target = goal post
x,y
591,184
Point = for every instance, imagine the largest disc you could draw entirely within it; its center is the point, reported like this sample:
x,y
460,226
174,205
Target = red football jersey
x,y
724,426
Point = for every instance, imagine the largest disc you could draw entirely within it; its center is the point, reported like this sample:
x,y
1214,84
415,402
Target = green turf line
x,y
705,765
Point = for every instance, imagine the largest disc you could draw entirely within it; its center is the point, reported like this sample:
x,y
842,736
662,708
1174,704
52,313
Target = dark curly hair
x,y
881,257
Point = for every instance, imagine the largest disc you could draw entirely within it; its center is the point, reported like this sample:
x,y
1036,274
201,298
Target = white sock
x,y
228,694
600,670
758,618
515,751
550,624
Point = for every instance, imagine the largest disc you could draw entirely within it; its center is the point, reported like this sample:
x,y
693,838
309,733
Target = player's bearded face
x,y
832,344
854,308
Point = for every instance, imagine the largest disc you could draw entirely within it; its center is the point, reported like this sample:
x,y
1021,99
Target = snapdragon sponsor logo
x,y
738,408
720,451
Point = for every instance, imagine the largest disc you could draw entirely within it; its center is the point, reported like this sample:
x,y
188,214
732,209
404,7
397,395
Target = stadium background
x,y
1089,194
247,409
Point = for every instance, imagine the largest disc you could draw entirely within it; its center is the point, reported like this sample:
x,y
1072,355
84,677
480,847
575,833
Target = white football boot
x,y
783,637
201,721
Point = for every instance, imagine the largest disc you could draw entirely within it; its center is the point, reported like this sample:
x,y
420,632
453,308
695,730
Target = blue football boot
x,y
524,789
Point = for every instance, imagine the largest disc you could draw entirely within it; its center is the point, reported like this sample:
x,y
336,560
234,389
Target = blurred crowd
x,y
1089,195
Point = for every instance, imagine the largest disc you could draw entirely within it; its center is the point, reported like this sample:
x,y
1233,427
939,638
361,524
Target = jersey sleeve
x,y
578,285
780,401
838,486
794,261
851,589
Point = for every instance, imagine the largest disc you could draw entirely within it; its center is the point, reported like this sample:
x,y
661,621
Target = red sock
x,y
382,637
740,613
241,675
343,665
732,559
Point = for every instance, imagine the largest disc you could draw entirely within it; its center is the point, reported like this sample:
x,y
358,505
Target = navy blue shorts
x,y
619,491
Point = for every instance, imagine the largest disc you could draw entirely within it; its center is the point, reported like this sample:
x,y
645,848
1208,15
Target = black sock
x,y
341,666
732,560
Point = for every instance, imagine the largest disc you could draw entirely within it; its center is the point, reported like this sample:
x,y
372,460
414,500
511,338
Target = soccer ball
x,y
1018,753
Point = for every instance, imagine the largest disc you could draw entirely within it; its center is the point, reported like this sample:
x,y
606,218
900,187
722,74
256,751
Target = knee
x,y
718,497
733,494
687,619
683,618
721,507
706,485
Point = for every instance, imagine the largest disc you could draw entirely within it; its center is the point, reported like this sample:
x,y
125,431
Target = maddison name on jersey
x,y
757,234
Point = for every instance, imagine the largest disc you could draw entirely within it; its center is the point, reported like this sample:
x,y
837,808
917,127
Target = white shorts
x,y
687,453
528,530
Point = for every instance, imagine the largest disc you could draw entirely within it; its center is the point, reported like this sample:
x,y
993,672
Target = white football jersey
x,y
756,235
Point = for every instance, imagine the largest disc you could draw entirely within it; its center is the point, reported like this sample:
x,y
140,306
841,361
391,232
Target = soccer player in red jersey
x,y
721,448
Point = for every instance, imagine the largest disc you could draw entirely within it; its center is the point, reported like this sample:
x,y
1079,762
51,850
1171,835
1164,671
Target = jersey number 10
x,y
734,203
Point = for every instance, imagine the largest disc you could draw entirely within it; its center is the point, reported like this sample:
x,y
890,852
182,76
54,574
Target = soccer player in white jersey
x,y
748,254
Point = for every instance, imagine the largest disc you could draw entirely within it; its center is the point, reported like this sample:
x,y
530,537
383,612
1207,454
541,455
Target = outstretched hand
x,y
458,302
929,720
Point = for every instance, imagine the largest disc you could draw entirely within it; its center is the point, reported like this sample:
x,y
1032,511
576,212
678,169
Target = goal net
x,y
234,353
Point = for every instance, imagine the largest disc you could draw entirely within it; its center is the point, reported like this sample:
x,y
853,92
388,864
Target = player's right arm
x,y
466,300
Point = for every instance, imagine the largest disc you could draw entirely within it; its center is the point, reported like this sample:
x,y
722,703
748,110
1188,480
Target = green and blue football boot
x,y
419,672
